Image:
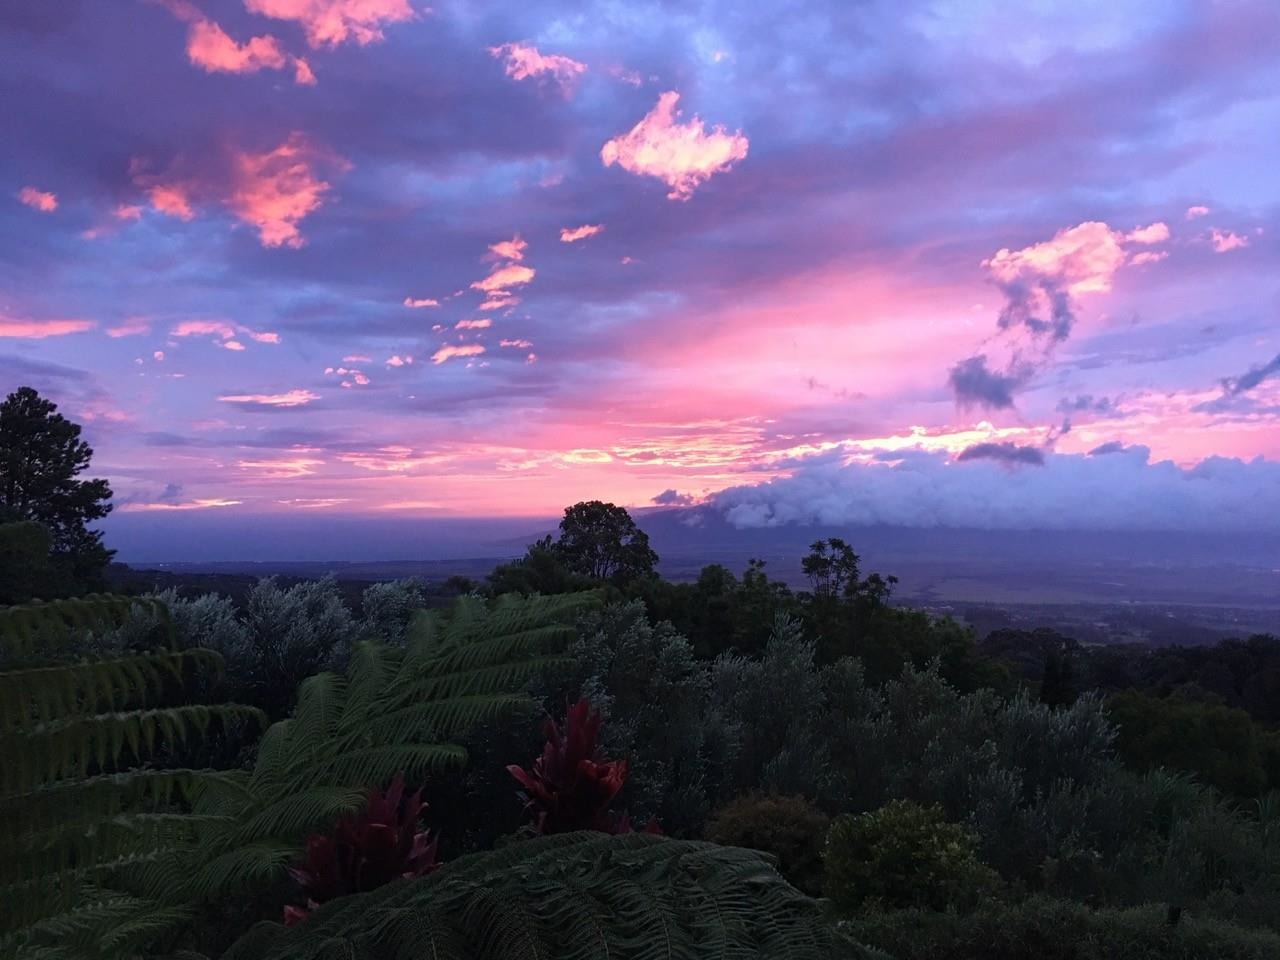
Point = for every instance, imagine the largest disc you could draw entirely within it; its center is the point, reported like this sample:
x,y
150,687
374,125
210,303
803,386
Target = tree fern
x,y
84,738
577,896
396,710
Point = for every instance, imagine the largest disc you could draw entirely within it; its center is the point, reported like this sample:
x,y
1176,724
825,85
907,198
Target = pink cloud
x,y
128,211
682,155
234,345
210,48
131,327
357,358
265,336
504,277
302,74
275,190
420,302
1224,240
158,356
1148,256
1197,211
512,249
399,361
199,328
328,23
1157,232
1084,258
27,329
525,62
293,398
481,324
272,191
172,199
40,200
521,344
450,351
575,234
499,300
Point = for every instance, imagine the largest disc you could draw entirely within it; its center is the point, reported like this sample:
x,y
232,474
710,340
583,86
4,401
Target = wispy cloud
x,y
29,329
574,234
1224,241
292,398
524,62
450,351
272,191
131,327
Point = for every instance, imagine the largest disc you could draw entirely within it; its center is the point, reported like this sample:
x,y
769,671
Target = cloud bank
x,y
1114,488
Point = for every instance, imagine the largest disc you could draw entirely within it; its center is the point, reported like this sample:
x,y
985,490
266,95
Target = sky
x,y
993,263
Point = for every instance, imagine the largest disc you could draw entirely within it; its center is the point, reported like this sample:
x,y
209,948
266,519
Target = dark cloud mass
x,y
670,497
975,384
1004,452
1234,386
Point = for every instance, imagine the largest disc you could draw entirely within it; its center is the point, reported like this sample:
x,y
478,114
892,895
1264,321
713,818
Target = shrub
x,y
571,785
388,607
902,855
365,850
790,828
1058,930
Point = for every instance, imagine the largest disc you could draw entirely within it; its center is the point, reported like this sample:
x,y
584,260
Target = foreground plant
x,y
91,749
397,709
581,895
571,785
379,844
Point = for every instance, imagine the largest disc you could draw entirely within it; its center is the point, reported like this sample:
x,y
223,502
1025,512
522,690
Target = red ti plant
x,y
378,844
572,785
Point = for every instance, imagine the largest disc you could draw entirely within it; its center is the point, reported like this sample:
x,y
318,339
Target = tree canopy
x,y
601,541
41,456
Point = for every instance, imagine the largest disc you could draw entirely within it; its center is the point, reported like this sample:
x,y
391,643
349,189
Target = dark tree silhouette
x,y
601,541
41,455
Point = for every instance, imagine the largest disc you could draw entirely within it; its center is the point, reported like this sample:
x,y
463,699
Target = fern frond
x,y
377,765
31,629
574,896
39,694
68,747
294,815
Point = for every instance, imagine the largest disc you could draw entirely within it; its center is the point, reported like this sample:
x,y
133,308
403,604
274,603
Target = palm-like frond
x,y
577,896
31,629
397,710
81,792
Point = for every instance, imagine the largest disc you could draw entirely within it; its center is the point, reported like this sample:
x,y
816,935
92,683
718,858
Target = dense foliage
x,y
1019,796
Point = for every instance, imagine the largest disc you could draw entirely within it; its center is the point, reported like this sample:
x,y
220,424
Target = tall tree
x,y
41,455
601,541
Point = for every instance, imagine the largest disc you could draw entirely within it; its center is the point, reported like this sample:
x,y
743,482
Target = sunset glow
x,y
380,256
